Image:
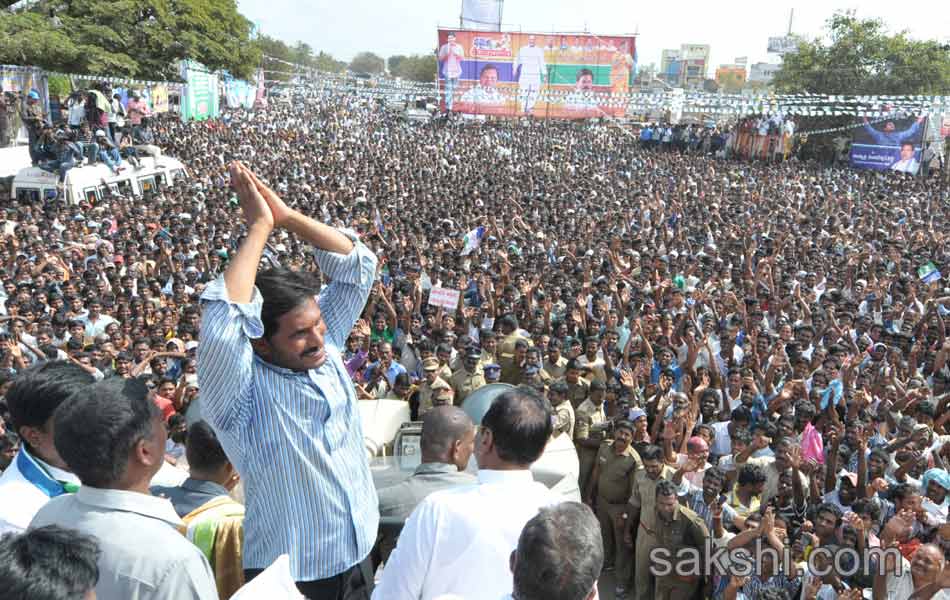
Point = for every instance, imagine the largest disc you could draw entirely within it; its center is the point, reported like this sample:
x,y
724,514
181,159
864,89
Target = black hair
x,y
560,554
741,413
402,379
442,426
520,422
283,290
867,506
8,440
97,428
828,507
666,488
203,450
903,490
48,563
751,475
651,452
38,391
716,473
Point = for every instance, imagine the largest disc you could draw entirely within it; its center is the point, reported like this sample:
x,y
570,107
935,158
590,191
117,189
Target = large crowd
x,y
769,337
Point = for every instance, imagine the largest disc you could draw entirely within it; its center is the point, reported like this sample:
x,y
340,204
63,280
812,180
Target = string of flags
x,y
692,101
803,104
837,129
711,104
116,81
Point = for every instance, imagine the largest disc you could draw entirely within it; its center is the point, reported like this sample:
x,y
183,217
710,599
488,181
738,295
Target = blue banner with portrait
x,y
889,144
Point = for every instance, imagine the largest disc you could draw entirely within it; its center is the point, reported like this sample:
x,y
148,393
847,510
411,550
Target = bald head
x,y
448,435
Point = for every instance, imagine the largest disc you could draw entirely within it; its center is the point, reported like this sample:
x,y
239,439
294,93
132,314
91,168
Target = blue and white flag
x,y
472,240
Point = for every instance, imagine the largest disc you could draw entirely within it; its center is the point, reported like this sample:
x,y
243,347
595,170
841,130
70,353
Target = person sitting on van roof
x,y
87,143
144,140
109,152
69,155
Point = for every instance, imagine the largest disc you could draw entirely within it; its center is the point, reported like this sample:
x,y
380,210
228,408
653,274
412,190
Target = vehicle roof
x,y
95,174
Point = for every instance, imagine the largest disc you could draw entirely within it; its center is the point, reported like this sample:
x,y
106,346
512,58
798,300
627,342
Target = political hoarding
x,y
200,100
890,144
785,44
159,98
509,74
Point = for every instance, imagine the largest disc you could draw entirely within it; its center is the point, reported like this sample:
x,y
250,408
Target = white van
x,y
89,182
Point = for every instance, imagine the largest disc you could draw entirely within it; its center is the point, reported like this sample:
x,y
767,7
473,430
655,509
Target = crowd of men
x,y
744,352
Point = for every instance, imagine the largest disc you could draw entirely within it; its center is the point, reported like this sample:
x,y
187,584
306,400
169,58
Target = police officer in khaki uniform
x,y
587,436
555,365
614,471
442,395
641,515
563,411
489,344
533,359
578,388
432,383
469,378
513,369
678,528
506,348
34,118
443,352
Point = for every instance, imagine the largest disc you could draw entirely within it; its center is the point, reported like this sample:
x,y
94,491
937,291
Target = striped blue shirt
x,y
295,437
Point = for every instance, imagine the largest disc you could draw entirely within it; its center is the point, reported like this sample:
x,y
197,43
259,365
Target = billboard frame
x,y
604,88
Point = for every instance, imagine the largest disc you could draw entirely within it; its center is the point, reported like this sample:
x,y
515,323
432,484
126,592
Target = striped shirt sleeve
x,y
351,280
225,356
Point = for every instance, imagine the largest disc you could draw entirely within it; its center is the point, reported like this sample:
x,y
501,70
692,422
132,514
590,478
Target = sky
x,y
733,28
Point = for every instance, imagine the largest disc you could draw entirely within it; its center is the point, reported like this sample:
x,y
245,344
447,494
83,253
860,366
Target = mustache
x,y
309,350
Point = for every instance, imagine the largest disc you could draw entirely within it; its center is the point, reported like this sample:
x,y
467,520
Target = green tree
x,y
59,85
394,63
275,55
418,67
423,68
325,63
133,38
302,54
860,57
367,62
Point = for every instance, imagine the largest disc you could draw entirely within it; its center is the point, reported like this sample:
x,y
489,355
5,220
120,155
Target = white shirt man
x,y
458,541
907,162
483,95
452,54
531,69
26,486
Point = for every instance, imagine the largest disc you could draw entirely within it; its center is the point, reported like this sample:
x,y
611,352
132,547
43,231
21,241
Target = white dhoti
x,y
529,90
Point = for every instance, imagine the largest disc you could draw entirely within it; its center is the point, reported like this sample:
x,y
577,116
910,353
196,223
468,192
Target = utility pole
x,y
791,15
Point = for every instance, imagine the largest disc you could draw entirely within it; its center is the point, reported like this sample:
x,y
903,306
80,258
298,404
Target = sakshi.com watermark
x,y
746,562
